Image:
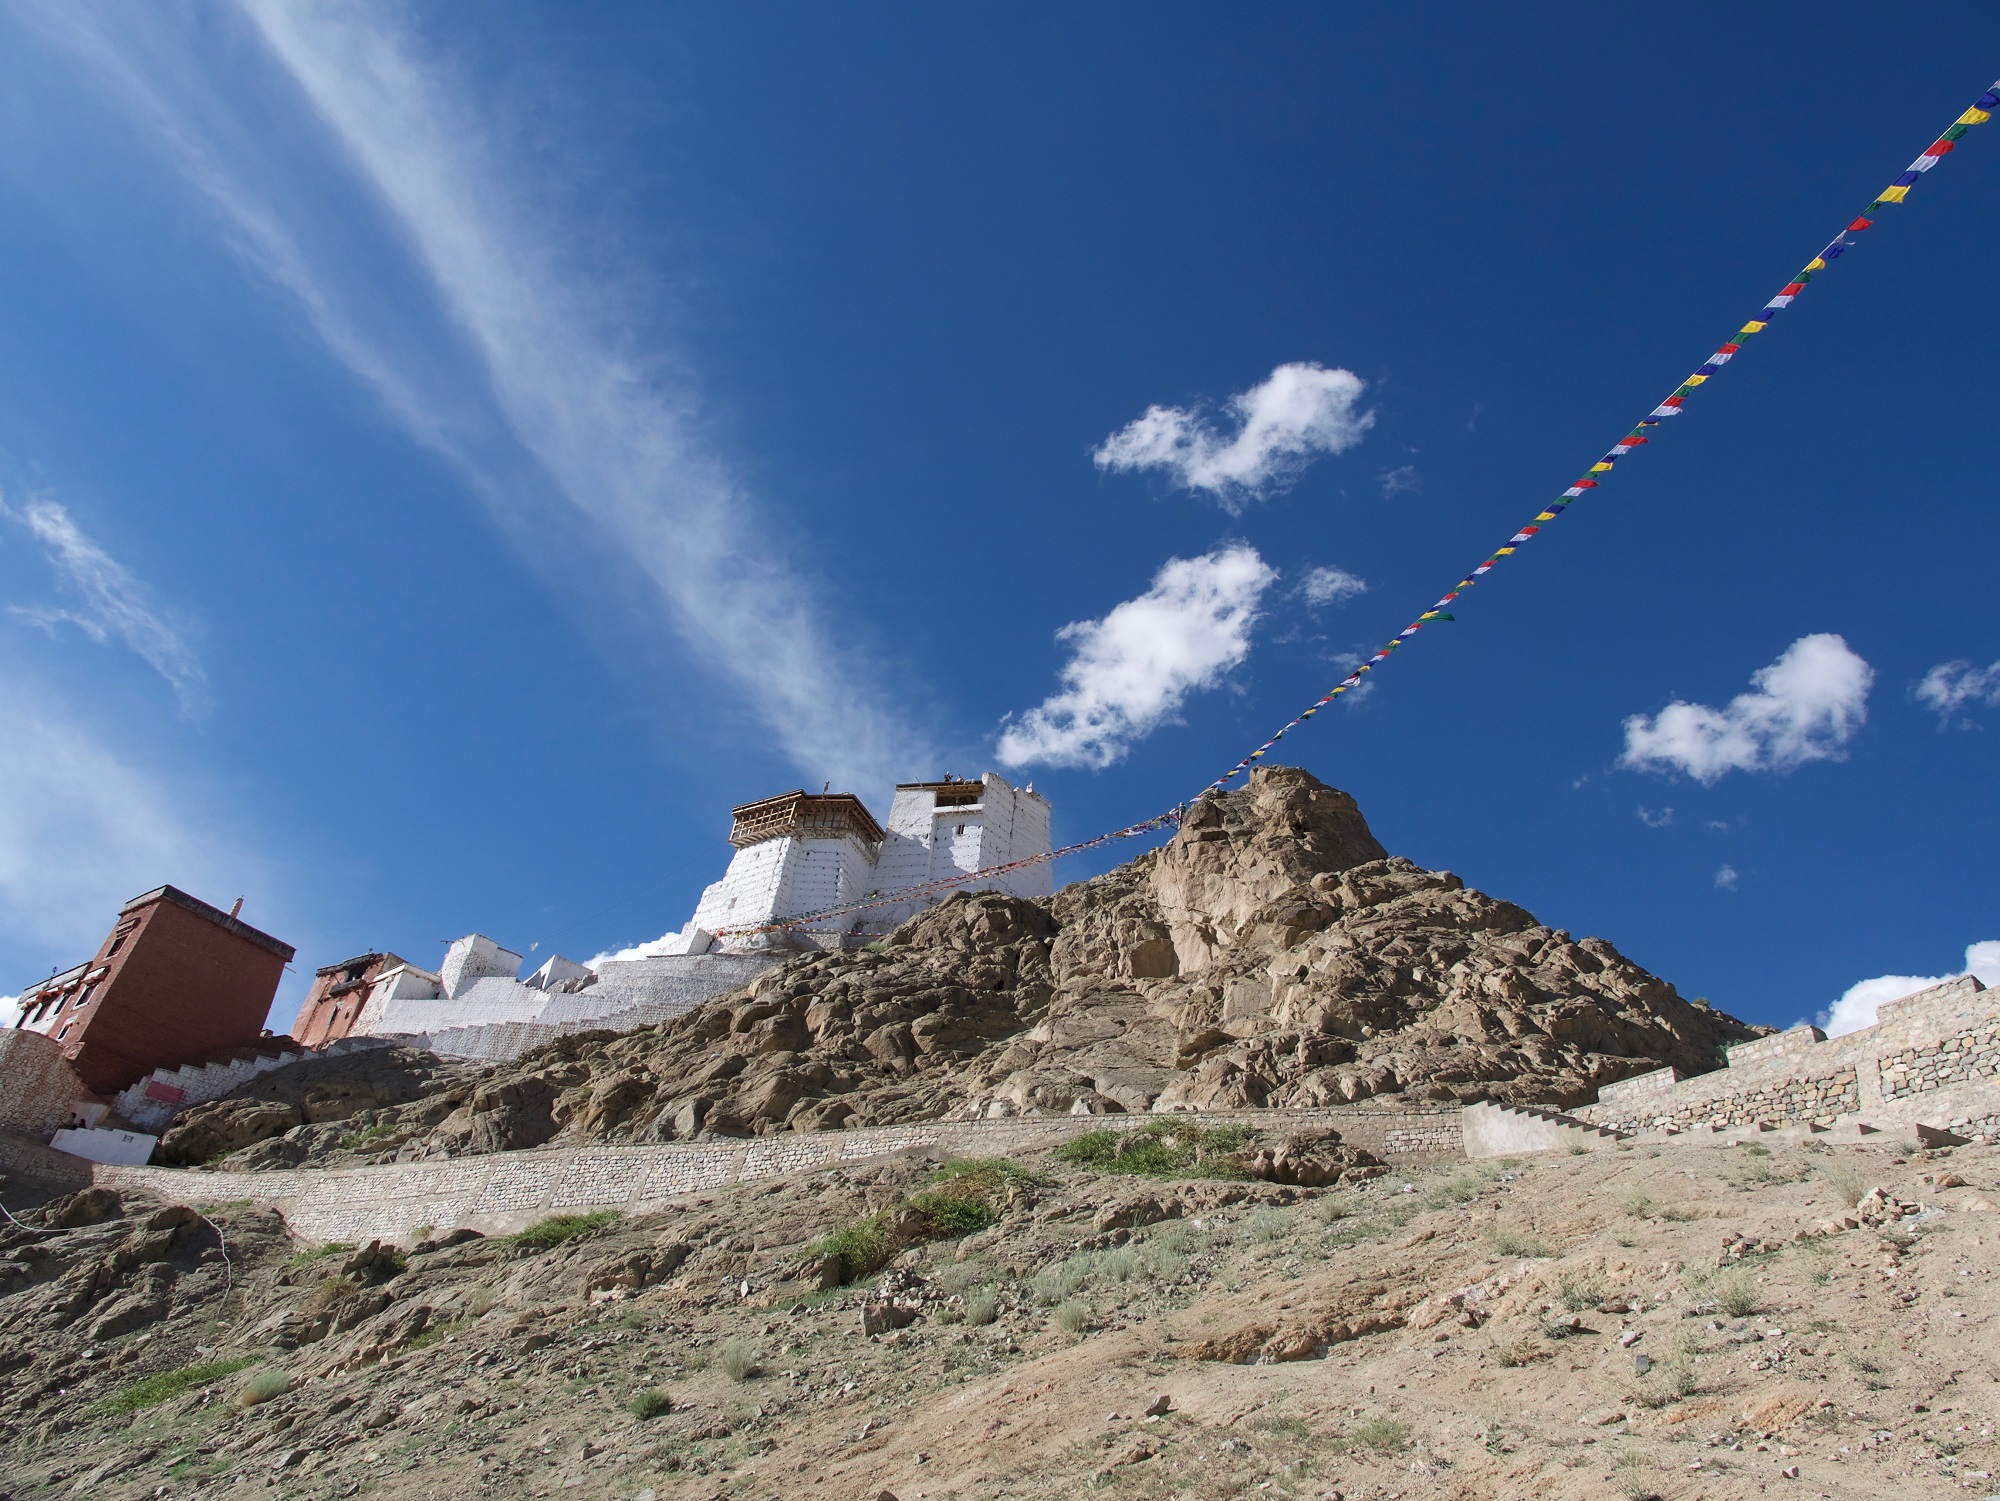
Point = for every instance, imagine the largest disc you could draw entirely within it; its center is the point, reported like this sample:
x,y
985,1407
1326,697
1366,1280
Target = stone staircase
x,y
1517,1130
156,1099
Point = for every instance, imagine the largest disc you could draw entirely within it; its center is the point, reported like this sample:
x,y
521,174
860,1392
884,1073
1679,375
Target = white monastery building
x,y
803,852
797,853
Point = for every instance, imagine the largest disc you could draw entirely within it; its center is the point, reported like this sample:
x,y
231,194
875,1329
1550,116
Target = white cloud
x,y
1331,586
1131,671
1655,818
83,830
1726,878
1953,686
1804,707
587,452
1858,1005
1402,478
114,602
1302,410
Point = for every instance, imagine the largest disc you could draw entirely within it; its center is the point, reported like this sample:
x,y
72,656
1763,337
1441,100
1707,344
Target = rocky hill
x,y
1273,953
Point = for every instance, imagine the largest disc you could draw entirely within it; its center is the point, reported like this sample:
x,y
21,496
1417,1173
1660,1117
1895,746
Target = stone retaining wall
x,y
508,1191
1930,1058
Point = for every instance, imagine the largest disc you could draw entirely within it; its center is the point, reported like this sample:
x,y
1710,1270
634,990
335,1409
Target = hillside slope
x,y
1271,954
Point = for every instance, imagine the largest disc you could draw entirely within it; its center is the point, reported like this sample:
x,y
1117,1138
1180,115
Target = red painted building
x,y
176,982
338,993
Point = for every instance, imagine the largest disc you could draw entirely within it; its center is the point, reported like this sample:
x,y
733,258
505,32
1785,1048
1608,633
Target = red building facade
x,y
335,1000
176,982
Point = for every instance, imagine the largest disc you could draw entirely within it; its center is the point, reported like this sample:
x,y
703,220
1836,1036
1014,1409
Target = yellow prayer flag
x,y
1599,468
1892,195
1694,380
1974,117
1752,327
1815,264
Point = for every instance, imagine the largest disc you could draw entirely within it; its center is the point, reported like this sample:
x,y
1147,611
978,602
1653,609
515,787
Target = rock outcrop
x,y
1272,954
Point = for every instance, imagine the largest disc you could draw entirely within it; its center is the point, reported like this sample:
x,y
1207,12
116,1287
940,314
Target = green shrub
x,y
649,1404
982,1307
962,1196
167,1385
1385,1434
739,1358
319,1253
861,1247
1462,1188
1073,1315
1162,1152
1638,1203
1509,1240
546,1235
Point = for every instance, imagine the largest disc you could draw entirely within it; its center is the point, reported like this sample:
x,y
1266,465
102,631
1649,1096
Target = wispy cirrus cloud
x,y
84,828
1298,412
112,604
587,449
1131,671
1804,707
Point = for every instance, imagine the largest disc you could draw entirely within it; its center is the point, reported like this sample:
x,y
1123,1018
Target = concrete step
x,y
1492,1130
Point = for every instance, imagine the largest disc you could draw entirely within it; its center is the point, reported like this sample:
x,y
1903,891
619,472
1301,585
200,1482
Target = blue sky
x,y
453,453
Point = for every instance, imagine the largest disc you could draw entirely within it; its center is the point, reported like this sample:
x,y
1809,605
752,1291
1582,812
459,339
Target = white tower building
x,y
802,852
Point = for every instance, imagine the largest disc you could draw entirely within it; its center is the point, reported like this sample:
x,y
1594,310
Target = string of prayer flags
x,y
1672,405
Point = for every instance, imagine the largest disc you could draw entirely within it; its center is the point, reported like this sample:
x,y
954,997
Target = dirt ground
x,y
1679,1320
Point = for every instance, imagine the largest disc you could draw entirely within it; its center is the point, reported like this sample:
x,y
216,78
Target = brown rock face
x,y
1240,871
1270,955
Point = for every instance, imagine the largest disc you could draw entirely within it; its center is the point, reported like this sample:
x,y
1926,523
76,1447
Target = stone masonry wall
x,y
38,1088
1930,1058
508,1191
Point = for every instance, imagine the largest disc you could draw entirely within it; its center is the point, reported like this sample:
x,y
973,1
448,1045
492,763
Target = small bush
x,y
1163,1260
739,1358
320,1253
1384,1434
1269,1226
1121,1265
982,1307
1461,1189
861,1247
263,1386
331,1293
1073,1315
557,1229
1053,1284
1579,1289
649,1404
1162,1152
1736,1294
1509,1240
1846,1181
1638,1203
1333,1207
167,1385
1679,1214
